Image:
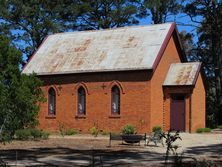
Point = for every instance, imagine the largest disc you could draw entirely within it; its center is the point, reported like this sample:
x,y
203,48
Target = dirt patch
x,y
84,150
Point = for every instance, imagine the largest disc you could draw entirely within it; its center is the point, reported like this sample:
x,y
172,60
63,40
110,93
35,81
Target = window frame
x,y
49,102
79,101
118,100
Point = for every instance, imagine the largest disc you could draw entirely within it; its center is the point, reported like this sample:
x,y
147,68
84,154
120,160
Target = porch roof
x,y
182,74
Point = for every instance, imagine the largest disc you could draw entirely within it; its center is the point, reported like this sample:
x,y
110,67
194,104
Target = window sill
x,y
50,117
114,116
80,116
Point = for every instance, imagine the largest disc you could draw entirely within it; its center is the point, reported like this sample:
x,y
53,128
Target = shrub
x,y
45,135
170,139
157,129
203,130
94,131
36,133
129,129
5,136
23,134
71,132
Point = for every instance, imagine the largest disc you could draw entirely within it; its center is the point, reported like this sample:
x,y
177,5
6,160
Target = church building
x,y
108,78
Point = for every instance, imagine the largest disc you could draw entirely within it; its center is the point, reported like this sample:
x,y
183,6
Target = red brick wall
x,y
135,101
160,105
198,105
157,104
142,99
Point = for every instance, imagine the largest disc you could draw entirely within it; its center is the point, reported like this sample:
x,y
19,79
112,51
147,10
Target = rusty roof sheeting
x,y
128,48
182,74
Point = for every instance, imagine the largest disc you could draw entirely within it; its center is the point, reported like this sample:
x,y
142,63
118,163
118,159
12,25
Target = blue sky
x,y
183,21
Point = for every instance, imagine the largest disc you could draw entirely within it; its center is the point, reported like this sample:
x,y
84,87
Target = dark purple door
x,y
177,114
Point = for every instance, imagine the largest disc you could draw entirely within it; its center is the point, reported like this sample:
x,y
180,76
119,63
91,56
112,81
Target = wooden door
x,y
177,113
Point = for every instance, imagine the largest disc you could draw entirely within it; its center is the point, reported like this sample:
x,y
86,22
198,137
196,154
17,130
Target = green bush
x,y
5,137
203,130
129,129
71,132
23,134
36,133
157,129
94,131
45,135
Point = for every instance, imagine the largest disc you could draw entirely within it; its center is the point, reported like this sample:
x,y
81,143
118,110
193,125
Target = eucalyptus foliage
x,y
208,14
20,95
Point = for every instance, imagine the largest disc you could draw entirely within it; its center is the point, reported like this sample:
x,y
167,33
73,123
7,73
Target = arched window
x,y
81,101
51,102
115,101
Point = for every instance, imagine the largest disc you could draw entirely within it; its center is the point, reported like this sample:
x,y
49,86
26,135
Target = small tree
x,y
170,139
20,95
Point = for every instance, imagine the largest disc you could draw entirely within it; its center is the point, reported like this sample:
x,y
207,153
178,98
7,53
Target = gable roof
x,y
120,49
182,74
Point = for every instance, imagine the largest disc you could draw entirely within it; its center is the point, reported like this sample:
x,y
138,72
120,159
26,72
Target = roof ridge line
x,y
110,29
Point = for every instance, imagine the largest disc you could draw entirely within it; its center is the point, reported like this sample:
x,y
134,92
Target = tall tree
x,y
102,14
208,13
20,94
162,10
189,45
31,21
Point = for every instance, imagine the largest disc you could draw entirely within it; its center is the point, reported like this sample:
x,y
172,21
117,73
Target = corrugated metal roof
x,y
128,48
182,74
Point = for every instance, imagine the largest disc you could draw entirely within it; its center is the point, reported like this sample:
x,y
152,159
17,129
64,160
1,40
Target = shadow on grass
x,y
214,149
71,157
212,153
66,156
